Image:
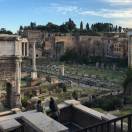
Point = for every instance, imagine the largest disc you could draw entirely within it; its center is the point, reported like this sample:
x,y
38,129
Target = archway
x,y
5,95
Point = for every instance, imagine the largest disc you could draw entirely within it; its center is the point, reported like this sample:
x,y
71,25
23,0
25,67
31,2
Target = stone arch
x,y
9,94
6,94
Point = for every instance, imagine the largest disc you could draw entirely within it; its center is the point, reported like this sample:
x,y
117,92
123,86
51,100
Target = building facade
x,y
115,46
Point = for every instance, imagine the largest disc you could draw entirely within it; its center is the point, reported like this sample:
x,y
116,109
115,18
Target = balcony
x,y
79,118
74,117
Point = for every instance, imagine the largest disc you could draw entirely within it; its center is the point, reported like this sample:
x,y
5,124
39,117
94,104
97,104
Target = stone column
x,y
24,49
34,72
129,34
18,83
62,70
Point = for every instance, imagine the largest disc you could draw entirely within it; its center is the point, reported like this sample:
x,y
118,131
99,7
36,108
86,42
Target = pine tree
x,y
81,26
87,27
116,28
120,29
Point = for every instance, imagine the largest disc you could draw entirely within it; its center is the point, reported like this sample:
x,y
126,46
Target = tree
x,y
32,25
4,31
81,26
50,27
63,28
87,27
20,30
116,28
21,27
119,29
102,27
71,26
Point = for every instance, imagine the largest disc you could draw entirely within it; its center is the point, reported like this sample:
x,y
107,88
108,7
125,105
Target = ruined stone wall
x,y
7,48
114,46
7,69
68,41
8,73
33,34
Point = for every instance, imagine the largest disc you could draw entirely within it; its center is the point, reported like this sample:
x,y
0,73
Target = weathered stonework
x,y
10,73
10,67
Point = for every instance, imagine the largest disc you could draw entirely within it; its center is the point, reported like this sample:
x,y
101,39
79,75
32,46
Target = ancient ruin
x,y
10,70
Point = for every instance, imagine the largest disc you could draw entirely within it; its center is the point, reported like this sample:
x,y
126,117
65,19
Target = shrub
x,y
24,101
106,103
75,94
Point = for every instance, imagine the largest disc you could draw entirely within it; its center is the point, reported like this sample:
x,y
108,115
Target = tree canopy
x,y
4,31
71,27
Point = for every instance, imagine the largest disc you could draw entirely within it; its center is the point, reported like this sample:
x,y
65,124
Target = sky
x,y
14,13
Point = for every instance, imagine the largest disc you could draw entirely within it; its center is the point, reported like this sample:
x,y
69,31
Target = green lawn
x,y
91,70
124,111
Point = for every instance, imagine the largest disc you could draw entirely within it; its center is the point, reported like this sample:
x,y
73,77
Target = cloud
x,y
64,9
118,2
119,16
57,8
105,13
125,23
109,13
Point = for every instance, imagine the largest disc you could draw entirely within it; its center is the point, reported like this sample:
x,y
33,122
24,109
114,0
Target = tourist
x,y
39,106
54,109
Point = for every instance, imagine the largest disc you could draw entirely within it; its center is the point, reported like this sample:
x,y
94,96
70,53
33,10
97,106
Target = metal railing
x,y
121,124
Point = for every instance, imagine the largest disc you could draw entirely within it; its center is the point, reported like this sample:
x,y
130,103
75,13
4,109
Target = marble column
x,y
34,69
